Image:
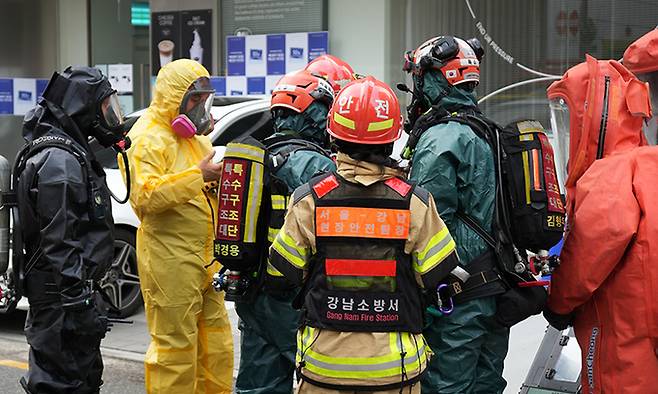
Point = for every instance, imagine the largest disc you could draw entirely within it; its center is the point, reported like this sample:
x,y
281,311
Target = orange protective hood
x,y
606,102
642,55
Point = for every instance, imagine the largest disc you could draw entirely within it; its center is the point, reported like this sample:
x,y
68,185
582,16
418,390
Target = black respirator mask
x,y
108,126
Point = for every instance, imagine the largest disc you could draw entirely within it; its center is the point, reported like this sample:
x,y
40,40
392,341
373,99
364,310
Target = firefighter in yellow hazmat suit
x,y
191,348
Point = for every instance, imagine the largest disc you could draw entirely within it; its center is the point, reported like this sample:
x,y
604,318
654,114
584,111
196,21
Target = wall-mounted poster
x,y
25,95
181,34
165,39
6,96
196,36
256,50
276,54
296,51
120,76
235,55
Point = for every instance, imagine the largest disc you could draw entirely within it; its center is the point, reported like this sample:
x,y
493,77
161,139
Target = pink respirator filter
x,y
183,126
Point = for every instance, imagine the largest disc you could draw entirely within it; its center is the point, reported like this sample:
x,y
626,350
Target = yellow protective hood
x,y
364,172
170,86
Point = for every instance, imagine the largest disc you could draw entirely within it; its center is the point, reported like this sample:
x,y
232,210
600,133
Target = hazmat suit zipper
x,y
604,118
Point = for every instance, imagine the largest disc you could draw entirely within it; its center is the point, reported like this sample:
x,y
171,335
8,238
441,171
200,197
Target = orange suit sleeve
x,y
605,220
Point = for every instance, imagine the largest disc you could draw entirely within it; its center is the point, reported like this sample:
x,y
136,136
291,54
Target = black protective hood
x,y
74,99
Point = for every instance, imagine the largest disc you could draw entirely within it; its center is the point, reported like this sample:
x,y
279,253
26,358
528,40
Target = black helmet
x,y
83,96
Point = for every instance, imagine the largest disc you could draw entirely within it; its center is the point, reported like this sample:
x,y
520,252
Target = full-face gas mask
x,y
108,128
560,127
194,113
85,104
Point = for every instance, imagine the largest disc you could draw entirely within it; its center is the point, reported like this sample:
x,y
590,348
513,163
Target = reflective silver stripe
x,y
364,368
253,207
435,249
245,152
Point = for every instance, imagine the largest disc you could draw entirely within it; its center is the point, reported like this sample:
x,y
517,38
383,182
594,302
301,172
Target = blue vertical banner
x,y
255,63
6,96
256,85
219,84
276,54
235,55
41,87
318,44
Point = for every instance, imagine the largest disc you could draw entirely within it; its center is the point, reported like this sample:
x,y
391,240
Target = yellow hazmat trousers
x,y
191,348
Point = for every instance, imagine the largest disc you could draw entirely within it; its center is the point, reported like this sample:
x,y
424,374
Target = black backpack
x,y
529,212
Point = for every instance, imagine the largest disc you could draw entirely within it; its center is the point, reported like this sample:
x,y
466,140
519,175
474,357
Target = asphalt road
x,y
120,376
124,347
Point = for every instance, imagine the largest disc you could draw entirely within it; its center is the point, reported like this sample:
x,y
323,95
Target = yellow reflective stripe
x,y
393,346
376,126
285,246
341,120
437,249
526,176
438,237
272,271
278,201
526,137
431,261
272,233
245,151
253,202
351,367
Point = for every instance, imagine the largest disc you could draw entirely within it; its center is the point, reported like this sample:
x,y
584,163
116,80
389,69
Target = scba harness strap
x,y
280,149
95,199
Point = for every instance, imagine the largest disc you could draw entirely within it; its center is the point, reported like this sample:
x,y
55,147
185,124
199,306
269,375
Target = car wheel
x,y
121,282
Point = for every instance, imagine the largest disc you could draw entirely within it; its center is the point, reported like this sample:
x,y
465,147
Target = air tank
x,y
5,185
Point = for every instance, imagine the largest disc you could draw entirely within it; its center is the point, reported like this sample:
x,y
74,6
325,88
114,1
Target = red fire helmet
x,y
336,70
297,90
366,111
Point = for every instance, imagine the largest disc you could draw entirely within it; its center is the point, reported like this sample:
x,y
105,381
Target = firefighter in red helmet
x,y
298,150
364,244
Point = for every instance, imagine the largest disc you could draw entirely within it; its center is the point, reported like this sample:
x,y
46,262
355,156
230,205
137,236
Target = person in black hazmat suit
x,y
67,230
